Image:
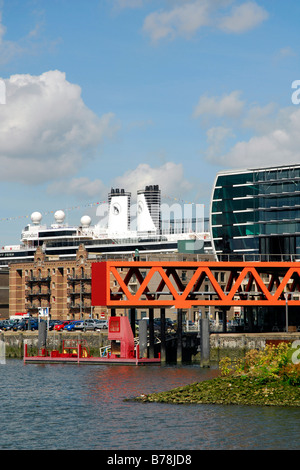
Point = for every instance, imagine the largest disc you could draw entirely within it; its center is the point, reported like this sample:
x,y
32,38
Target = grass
x,y
267,377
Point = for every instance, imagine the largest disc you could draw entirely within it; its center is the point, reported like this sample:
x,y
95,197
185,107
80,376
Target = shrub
x,y
272,362
291,374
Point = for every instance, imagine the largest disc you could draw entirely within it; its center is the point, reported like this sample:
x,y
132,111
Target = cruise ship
x,y
122,233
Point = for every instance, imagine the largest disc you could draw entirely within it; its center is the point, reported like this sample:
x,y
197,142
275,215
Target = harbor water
x,y
82,407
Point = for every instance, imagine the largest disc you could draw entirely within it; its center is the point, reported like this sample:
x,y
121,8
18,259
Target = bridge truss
x,y
188,284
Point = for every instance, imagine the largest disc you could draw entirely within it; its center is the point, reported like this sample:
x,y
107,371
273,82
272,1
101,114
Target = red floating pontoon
x,y
75,351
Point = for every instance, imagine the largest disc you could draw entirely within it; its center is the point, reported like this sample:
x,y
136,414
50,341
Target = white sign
x,y
43,312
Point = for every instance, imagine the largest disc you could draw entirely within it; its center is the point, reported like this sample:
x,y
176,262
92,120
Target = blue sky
x,y
124,93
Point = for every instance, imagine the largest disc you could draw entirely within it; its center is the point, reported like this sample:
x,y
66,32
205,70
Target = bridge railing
x,y
255,257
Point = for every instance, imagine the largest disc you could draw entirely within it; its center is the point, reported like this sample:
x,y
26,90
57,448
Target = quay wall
x,y
236,345
233,345
14,341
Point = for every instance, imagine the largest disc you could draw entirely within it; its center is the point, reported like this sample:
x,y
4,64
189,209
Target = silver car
x,y
90,325
102,324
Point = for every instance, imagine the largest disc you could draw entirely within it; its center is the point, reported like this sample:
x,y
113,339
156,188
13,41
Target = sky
x,y
124,93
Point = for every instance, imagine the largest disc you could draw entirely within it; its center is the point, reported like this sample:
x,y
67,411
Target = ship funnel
x,y
119,211
148,210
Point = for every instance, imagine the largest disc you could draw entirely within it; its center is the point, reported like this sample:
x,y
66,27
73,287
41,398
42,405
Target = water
x,y
82,407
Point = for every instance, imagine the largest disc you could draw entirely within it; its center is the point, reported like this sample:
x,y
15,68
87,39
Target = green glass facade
x,y
256,213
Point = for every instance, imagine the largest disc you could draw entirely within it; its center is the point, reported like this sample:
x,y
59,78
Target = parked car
x,y
190,325
169,325
6,325
52,324
21,325
90,325
74,325
9,325
60,326
101,324
79,325
31,324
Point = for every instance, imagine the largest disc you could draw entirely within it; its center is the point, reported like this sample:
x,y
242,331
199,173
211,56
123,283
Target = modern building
x,y
255,213
255,216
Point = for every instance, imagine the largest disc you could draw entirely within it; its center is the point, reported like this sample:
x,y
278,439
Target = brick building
x,y
62,286
4,293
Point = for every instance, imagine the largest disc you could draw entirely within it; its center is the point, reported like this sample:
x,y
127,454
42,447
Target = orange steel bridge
x,y
161,284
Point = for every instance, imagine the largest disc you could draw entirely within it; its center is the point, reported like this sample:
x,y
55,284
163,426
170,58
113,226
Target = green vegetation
x,y
267,377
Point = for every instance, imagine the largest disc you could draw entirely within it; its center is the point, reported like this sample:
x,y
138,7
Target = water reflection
x,y
114,383
82,407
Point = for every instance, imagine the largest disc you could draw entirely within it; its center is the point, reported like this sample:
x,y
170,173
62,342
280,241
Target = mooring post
x,y
163,335
179,335
42,335
151,333
204,342
143,338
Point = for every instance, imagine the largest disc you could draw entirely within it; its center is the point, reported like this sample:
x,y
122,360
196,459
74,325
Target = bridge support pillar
x,y
224,318
132,320
163,335
151,333
179,335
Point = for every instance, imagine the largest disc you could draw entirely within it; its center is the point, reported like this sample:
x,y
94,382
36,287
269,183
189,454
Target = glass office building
x,y
255,214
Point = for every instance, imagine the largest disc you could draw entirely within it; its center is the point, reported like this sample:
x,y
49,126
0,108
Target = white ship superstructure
x,y
123,233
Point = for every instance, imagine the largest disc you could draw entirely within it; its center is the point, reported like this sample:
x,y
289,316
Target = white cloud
x,y
227,106
261,119
46,130
181,20
169,177
278,144
31,42
216,138
186,18
81,187
243,18
249,134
